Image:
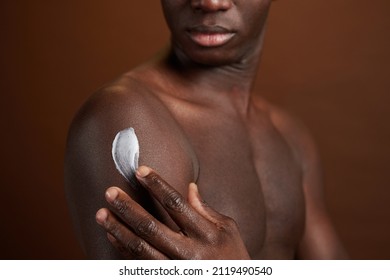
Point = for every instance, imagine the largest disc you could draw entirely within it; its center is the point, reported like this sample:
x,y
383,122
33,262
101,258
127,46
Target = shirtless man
x,y
197,120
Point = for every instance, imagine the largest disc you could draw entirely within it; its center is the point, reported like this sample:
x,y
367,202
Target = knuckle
x,y
137,247
211,237
146,227
223,230
155,179
175,202
121,206
113,229
195,256
230,224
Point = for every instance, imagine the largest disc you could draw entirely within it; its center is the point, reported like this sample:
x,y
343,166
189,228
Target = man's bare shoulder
x,y
123,99
295,133
129,102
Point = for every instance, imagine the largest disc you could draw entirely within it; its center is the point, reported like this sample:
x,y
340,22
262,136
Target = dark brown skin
x,y
197,120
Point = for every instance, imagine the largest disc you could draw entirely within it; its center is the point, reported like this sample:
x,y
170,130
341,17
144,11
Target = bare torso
x,y
251,161
243,164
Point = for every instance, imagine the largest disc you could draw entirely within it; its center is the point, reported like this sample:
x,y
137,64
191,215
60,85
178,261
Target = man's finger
x,y
129,244
145,225
189,220
201,206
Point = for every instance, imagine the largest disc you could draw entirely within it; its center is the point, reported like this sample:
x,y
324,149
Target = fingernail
x,y
111,194
101,216
194,187
142,171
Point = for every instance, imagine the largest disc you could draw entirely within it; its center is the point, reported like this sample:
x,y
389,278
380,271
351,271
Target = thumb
x,y
196,201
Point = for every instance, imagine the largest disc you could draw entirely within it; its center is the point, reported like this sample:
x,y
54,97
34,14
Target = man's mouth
x,y
210,36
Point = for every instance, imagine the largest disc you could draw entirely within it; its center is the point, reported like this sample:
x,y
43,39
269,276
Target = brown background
x,y
327,61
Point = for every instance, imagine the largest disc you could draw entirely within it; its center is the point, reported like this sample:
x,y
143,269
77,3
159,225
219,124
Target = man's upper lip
x,y
209,29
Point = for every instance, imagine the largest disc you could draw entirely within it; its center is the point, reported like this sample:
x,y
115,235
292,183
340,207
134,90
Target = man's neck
x,y
231,82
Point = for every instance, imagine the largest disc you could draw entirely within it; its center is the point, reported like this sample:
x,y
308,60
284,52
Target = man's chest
x,y
253,177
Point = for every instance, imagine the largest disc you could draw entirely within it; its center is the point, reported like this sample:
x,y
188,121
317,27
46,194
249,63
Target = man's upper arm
x,y
90,170
320,240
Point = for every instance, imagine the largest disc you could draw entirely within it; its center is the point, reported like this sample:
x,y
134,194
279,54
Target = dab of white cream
x,y
125,152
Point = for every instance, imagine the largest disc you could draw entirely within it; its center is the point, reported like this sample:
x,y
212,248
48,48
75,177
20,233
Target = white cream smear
x,y
125,152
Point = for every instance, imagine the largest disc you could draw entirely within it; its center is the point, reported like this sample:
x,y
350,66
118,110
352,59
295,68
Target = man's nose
x,y
211,5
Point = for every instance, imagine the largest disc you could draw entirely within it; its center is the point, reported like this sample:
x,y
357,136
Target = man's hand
x,y
204,233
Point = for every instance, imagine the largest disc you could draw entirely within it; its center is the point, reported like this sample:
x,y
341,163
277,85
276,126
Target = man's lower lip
x,y
210,39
